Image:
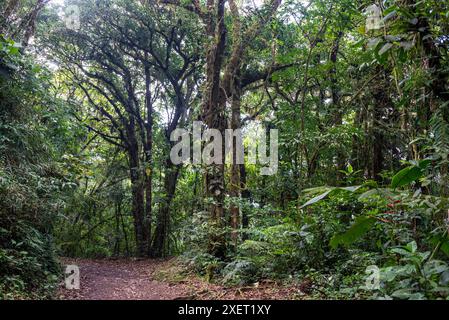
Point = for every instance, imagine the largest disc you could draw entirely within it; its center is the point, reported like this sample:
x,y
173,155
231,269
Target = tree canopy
x,y
93,95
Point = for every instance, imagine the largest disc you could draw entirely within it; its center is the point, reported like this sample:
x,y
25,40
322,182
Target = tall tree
x,y
115,70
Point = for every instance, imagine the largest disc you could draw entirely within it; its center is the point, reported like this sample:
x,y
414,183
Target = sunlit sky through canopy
x,y
255,2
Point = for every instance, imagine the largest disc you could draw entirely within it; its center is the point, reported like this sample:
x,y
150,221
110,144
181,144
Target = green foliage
x,y
416,276
409,174
352,107
240,272
358,229
328,192
29,268
32,185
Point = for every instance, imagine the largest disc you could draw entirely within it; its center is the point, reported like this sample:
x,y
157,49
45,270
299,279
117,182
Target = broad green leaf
x,y
390,15
350,168
423,164
412,246
384,192
372,43
368,194
326,193
350,189
434,267
385,48
360,227
405,293
317,198
401,251
444,278
406,176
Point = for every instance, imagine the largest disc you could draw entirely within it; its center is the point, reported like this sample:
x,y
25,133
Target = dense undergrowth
x,y
340,241
358,208
31,178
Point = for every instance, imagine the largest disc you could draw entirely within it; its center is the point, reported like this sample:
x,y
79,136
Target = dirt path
x,y
126,279
120,280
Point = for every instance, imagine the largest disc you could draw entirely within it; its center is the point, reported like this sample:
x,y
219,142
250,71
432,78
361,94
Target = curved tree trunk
x,y
163,218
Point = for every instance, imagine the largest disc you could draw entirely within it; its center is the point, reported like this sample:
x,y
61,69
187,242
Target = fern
x,y
440,130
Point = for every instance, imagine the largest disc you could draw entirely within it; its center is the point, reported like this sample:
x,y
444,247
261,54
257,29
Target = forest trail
x,y
131,279
120,280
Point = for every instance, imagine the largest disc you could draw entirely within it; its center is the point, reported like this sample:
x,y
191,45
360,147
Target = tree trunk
x,y
148,146
381,102
246,195
163,218
234,188
137,191
214,117
336,102
117,230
